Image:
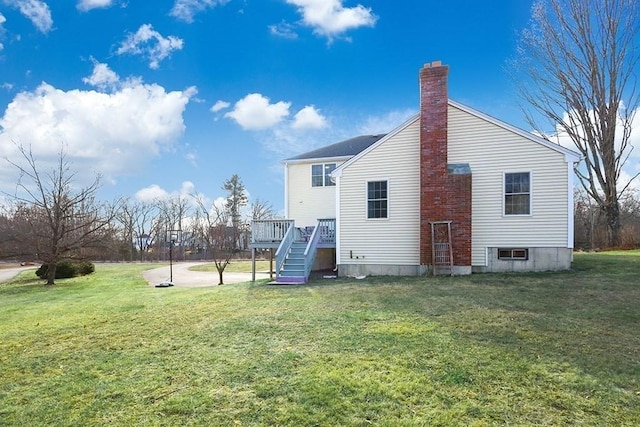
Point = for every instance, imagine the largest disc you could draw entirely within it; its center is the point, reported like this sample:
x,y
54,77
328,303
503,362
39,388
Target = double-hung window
x,y
377,200
517,193
321,175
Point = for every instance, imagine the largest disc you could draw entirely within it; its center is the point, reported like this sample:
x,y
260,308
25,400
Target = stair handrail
x,y
311,251
283,248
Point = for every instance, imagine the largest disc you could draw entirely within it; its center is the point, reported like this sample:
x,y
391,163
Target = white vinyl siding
x,y
491,151
305,203
396,239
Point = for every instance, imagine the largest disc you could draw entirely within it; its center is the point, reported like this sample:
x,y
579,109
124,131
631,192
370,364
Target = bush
x,y
67,269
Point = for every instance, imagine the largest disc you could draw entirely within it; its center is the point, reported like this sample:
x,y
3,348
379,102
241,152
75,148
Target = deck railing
x,y
327,229
269,230
283,249
311,251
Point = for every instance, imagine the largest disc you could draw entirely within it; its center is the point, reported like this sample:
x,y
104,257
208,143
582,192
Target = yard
x,y
517,349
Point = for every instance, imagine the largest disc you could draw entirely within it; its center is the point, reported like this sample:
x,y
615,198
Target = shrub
x,y
66,269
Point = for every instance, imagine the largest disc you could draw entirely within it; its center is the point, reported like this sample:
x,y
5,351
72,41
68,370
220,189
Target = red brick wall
x,y
443,197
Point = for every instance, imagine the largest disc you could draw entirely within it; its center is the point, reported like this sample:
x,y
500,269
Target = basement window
x,y
521,254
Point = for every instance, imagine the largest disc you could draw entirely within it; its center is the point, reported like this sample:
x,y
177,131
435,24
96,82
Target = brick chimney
x,y
445,190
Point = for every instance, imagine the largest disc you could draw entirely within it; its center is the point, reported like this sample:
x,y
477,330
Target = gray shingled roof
x,y
347,148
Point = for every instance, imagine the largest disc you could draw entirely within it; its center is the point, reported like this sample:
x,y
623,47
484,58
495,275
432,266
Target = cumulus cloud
x,y
102,77
256,112
86,5
329,18
309,118
154,192
112,133
150,44
151,193
36,11
185,10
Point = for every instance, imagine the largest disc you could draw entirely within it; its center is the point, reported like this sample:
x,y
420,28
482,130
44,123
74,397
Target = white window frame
x,y
513,252
366,198
326,176
504,194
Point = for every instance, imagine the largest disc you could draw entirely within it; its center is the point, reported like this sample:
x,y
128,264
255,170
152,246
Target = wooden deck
x,y
268,234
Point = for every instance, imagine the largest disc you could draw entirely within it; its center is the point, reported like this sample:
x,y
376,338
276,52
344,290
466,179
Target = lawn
x,y
235,266
554,349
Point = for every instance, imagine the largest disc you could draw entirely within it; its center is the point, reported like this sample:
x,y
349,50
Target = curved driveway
x,y
10,273
184,277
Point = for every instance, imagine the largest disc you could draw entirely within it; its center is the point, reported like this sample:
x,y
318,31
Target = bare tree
x,y
261,209
579,63
138,226
62,221
173,211
211,225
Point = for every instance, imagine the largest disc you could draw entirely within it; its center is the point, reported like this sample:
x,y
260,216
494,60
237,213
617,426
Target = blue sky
x,y
176,96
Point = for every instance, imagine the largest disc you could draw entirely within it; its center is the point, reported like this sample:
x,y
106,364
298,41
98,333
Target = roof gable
x,y
338,171
570,155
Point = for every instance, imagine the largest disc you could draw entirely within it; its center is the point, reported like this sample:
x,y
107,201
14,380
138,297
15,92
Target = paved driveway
x,y
184,277
9,273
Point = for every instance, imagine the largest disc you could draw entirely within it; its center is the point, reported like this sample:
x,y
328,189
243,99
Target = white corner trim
x,y
338,221
570,202
286,191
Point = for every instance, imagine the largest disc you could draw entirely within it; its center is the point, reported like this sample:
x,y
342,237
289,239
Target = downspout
x,y
570,202
337,177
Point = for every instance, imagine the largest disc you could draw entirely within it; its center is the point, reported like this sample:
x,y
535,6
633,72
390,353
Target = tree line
x,y
48,219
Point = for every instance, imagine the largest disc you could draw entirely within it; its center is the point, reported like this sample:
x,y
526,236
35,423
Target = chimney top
x,y
433,64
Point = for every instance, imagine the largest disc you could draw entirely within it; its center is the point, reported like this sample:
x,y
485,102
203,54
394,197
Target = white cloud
x,y
151,193
309,118
154,192
220,105
284,30
102,77
330,18
36,11
2,21
112,133
185,10
385,123
87,5
255,112
150,44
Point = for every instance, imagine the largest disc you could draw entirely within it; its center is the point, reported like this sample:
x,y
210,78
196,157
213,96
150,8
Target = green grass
x,y
511,349
235,266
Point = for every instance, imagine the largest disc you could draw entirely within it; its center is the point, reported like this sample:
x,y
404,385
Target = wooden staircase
x,y
293,269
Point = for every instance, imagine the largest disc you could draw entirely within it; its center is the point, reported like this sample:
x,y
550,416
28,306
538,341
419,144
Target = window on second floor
x,y
321,175
517,193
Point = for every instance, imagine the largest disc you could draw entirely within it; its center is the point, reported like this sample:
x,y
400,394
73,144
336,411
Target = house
x,y
452,190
